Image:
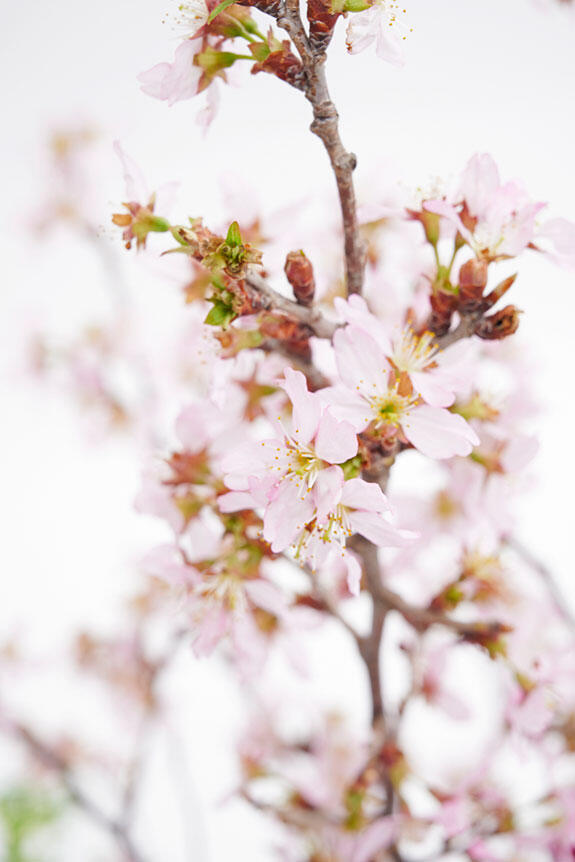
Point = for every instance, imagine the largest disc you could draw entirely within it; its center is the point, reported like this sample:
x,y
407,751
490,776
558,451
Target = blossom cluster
x,y
352,433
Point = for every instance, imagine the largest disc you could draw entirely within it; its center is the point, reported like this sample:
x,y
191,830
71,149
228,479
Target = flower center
x,y
413,352
304,463
190,16
337,530
391,408
395,12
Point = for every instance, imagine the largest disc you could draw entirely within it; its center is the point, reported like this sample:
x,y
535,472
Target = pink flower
x,y
433,685
342,509
280,473
435,374
380,24
499,219
531,713
173,82
367,398
365,845
556,239
140,218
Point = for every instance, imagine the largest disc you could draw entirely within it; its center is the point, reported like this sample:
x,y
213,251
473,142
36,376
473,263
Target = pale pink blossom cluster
x,y
498,220
354,462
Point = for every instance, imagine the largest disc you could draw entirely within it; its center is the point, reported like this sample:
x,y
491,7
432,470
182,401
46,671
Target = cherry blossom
x,y
499,219
281,472
382,23
367,398
342,509
173,82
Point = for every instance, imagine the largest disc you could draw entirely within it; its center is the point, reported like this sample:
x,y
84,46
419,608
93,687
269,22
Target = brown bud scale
x,y
498,325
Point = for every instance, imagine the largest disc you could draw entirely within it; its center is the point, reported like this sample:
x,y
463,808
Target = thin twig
x,y
558,600
270,299
464,329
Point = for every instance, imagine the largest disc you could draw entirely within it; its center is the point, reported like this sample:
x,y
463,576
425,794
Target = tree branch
x,y
325,126
464,329
269,299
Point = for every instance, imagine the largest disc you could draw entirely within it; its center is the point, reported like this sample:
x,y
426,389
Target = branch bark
x,y
270,300
325,126
464,329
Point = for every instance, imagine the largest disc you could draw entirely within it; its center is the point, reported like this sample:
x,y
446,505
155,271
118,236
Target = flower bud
x,y
498,325
299,273
138,222
472,283
322,20
430,222
284,65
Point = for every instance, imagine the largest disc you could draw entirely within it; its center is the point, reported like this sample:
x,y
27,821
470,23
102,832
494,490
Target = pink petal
x,y
376,837
360,360
136,189
431,389
348,405
327,492
306,406
479,182
287,515
379,531
438,433
235,501
354,573
335,441
359,494
173,82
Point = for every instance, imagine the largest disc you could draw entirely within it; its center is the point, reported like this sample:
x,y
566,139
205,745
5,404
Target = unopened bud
x,y
442,307
322,20
430,222
299,273
284,65
472,283
213,61
498,325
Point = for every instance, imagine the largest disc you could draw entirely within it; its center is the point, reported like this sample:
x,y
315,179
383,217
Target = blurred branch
x,y
558,600
55,762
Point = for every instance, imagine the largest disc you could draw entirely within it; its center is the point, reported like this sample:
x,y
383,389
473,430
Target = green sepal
x,y
234,237
453,595
260,51
219,8
212,61
178,236
220,314
352,467
355,5
251,26
354,804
